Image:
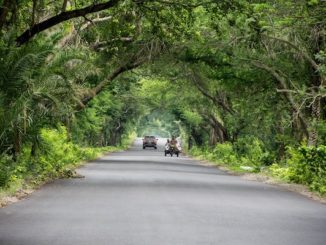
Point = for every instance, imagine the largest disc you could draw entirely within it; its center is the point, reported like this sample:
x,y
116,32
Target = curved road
x,y
140,197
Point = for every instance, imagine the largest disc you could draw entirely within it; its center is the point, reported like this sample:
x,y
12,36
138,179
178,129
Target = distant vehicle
x,y
149,141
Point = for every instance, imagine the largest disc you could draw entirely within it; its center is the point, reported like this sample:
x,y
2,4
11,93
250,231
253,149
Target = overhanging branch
x,y
93,21
95,91
64,16
282,84
145,53
299,50
196,80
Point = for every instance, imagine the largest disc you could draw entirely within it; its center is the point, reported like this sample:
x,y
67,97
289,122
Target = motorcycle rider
x,y
173,142
167,144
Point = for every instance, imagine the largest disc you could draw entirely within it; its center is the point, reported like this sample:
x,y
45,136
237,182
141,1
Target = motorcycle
x,y
172,149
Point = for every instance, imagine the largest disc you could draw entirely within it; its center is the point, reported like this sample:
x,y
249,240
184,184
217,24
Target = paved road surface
x,y
140,197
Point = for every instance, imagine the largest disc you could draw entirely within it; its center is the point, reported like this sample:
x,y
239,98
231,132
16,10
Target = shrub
x,y
280,172
56,158
258,156
59,151
304,165
196,151
308,166
6,164
250,151
225,153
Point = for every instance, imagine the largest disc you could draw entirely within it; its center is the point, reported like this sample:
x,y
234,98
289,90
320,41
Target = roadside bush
x,y
305,165
197,151
248,151
56,155
225,153
56,158
12,171
59,152
280,172
251,152
5,170
308,166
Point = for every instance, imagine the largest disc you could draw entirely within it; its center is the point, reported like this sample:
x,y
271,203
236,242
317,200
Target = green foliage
x,y
242,80
5,170
109,116
192,118
251,151
280,172
305,165
56,158
247,152
308,165
225,153
59,152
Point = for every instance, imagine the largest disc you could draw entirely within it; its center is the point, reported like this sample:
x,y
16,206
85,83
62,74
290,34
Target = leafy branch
x,y
63,16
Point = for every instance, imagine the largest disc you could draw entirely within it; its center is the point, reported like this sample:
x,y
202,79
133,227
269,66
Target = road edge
x,y
266,179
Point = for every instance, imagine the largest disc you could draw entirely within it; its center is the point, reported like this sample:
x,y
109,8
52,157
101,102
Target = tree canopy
x,y
243,73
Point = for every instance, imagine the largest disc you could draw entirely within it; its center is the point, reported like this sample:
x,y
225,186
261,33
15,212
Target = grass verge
x,y
264,176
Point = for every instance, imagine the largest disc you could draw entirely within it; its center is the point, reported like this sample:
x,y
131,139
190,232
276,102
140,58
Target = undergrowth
x,y
304,165
57,158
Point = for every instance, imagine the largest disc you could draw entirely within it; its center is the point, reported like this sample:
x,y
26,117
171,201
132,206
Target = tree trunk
x,y
240,126
315,113
17,142
4,10
213,137
280,131
33,149
316,80
219,129
189,143
197,137
34,12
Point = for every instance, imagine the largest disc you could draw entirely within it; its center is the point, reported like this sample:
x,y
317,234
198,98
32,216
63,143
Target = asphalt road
x,y
140,197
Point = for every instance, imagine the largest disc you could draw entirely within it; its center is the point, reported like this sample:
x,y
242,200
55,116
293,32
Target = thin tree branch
x,y
186,5
215,100
95,91
93,21
64,5
139,58
301,52
64,16
99,45
282,83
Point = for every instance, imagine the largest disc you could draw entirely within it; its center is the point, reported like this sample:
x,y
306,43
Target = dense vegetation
x,y
243,82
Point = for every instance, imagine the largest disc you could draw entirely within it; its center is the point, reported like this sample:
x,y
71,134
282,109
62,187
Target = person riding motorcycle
x,y
174,143
172,147
167,145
